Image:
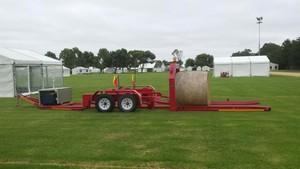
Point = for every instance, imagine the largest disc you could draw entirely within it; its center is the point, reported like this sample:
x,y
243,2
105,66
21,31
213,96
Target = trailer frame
x,y
147,97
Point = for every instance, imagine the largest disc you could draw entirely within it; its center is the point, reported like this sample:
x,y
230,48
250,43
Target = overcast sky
x,y
216,27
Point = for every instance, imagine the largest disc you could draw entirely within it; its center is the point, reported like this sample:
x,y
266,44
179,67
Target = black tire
x,y
127,103
105,103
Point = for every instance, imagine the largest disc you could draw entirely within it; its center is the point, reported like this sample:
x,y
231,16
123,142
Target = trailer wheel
x,y
127,103
105,103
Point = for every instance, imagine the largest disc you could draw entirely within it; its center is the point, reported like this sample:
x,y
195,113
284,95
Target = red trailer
x,y
128,98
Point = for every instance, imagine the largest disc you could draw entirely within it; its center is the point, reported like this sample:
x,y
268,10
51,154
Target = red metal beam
x,y
235,102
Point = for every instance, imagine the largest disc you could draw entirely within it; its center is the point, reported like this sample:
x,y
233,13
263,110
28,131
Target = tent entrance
x,y
22,80
28,78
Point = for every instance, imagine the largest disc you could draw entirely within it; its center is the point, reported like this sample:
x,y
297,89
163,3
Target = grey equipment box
x,y
54,96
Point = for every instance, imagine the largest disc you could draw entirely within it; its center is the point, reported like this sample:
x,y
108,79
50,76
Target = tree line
x,y
200,60
118,59
122,58
287,55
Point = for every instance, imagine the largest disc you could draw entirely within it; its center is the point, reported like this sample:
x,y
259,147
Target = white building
x,y
190,68
162,68
94,70
66,72
148,67
80,70
182,69
274,66
109,70
205,68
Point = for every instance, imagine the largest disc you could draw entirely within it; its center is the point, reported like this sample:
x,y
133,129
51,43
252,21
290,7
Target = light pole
x,y
259,21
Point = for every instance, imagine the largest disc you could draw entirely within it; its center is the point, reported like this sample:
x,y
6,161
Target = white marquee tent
x,y
23,71
222,65
242,66
66,72
260,66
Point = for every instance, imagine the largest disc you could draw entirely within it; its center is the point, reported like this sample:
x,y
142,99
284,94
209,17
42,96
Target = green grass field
x,y
33,138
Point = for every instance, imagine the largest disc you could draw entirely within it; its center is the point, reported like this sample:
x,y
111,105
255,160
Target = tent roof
x,y
259,59
8,56
222,60
241,59
18,56
45,59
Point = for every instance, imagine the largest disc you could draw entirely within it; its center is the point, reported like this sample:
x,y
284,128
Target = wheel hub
x,y
126,103
104,104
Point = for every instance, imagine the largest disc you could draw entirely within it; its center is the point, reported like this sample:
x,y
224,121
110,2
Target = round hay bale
x,y
192,88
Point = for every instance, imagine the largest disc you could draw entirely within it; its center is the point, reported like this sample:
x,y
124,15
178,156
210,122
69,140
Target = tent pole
x,y
28,79
14,79
42,78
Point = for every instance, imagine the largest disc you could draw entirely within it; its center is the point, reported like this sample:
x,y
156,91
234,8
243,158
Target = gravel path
x,y
294,74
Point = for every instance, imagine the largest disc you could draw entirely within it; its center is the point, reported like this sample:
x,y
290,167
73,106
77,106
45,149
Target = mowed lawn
x,y
33,138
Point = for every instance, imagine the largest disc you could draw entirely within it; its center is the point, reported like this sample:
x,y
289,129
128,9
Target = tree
x,y
51,55
189,62
129,62
97,63
87,59
245,52
204,60
141,57
294,57
273,51
119,58
78,54
105,57
136,56
158,64
290,58
180,62
166,63
284,60
68,57
178,54
147,57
